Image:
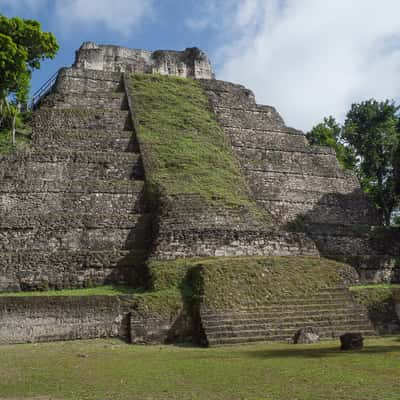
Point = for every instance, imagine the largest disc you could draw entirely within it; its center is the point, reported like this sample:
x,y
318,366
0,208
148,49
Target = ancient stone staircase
x,y
73,212
332,311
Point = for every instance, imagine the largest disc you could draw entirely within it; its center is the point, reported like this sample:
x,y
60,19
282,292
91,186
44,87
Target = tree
x,y
371,129
328,133
23,45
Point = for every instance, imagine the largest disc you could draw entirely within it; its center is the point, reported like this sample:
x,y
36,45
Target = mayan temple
x,y
222,224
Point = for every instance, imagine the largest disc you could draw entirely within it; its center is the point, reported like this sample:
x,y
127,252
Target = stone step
x,y
283,311
91,196
73,219
266,139
328,329
276,319
330,214
77,81
87,140
294,323
284,314
69,165
26,270
79,234
88,99
259,117
278,338
78,186
297,300
82,118
324,302
288,163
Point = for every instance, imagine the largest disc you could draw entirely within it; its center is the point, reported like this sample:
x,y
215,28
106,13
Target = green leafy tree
x,y
23,45
371,129
328,133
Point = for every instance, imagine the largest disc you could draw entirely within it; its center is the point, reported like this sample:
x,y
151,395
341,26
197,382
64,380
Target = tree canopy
x,y
372,130
23,45
369,144
328,133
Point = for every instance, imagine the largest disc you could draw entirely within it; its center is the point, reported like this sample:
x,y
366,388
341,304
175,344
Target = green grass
x,y
110,369
161,303
106,290
6,147
184,150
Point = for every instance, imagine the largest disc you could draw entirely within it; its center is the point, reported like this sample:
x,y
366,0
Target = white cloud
x,y
311,58
121,16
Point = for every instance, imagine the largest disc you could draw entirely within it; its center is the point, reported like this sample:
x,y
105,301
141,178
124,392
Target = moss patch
x,y
184,150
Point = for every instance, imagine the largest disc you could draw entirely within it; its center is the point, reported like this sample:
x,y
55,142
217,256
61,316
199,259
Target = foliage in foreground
x,y
23,45
110,369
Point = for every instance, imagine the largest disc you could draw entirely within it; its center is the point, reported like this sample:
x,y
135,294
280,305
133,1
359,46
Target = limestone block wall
x,y
287,176
43,319
73,211
187,224
302,186
186,243
190,63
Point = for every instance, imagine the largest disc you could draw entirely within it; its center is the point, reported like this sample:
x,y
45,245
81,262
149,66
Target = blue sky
x,y
308,58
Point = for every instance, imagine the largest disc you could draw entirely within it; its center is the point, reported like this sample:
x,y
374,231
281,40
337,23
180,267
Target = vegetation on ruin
x,y
184,150
220,279
374,294
161,303
105,290
111,369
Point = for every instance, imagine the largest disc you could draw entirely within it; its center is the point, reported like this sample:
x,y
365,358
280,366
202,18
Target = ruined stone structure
x,y
75,211
190,63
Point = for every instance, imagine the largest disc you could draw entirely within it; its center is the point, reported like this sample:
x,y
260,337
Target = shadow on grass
x,y
313,352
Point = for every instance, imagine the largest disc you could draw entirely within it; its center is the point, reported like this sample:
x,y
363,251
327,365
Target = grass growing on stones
x,y
226,281
375,294
100,369
106,290
184,150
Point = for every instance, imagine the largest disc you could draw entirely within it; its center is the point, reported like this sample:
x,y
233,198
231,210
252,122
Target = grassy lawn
x,y
110,369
